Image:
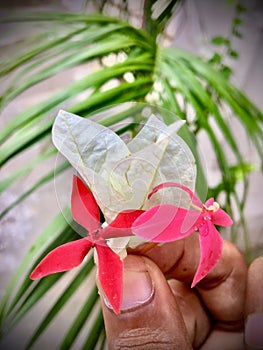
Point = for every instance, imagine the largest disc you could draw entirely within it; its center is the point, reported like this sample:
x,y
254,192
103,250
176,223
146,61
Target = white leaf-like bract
x,y
122,175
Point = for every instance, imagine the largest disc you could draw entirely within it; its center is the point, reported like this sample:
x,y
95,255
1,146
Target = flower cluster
x,y
132,209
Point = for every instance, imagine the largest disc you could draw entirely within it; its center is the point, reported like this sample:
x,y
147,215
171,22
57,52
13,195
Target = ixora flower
x,y
166,223
161,223
67,256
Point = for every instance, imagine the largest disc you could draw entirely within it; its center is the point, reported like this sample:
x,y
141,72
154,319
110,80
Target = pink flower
x,y
166,223
161,223
67,256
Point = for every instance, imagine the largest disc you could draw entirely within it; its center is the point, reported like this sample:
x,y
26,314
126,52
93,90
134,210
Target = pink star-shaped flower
x,y
166,223
67,256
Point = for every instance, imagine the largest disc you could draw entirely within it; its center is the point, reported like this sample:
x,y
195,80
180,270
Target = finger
x,y
254,299
222,290
219,340
150,317
196,319
254,306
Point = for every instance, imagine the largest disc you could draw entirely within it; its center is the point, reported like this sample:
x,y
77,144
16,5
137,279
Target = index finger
x,y
222,290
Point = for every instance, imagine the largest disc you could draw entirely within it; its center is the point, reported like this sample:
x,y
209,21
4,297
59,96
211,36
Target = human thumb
x,y
150,317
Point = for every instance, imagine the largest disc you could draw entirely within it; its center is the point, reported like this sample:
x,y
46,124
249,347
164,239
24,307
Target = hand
x,y
160,314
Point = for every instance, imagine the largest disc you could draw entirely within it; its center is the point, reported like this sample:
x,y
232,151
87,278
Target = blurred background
x,y
191,28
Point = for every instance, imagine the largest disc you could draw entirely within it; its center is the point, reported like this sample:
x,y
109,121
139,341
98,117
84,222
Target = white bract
x,y
121,175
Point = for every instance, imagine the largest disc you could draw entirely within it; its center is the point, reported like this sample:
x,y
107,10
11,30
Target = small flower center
x,y
214,207
95,236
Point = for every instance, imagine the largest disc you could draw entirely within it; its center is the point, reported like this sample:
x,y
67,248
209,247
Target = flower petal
x,y
209,202
195,200
62,258
110,273
84,206
221,218
211,245
121,225
165,223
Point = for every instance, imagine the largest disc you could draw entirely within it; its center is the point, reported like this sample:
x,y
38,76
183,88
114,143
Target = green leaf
x,y
34,131
111,118
170,101
182,87
240,8
237,21
62,300
34,296
245,110
89,81
220,40
233,54
25,169
69,18
216,59
200,92
4,184
80,320
125,92
95,333
32,189
56,228
240,171
227,71
166,13
17,61
79,53
188,137
25,137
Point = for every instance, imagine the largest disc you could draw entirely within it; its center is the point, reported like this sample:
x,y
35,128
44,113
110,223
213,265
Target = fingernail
x,y
254,331
138,288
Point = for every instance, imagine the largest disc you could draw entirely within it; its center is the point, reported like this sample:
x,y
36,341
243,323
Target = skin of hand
x,y
161,311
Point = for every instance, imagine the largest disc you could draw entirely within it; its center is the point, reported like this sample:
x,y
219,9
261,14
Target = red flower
x,y
161,223
166,223
67,256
